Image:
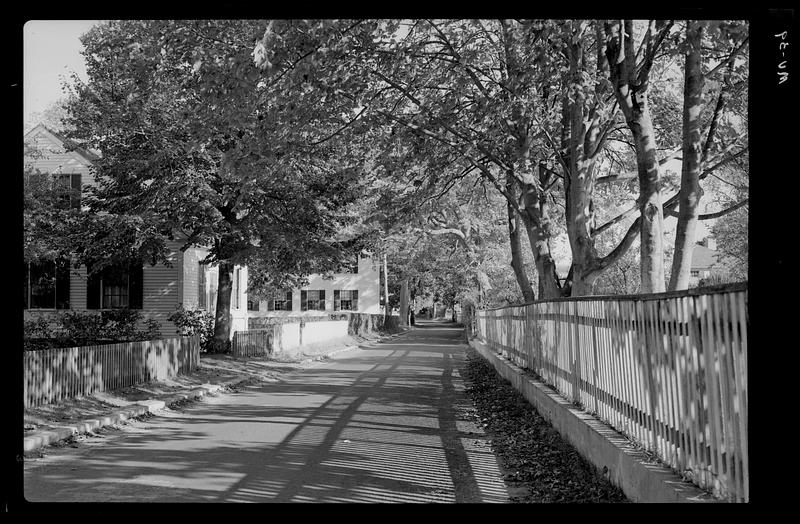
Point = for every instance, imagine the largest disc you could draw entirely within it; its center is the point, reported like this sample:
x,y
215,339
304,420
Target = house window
x,y
312,299
281,304
695,272
116,287
345,300
63,189
47,285
252,305
68,190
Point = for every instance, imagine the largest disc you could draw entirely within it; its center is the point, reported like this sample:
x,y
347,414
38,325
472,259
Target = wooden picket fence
x,y
667,370
56,374
253,342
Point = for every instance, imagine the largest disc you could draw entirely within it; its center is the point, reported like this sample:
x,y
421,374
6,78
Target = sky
x,y
51,52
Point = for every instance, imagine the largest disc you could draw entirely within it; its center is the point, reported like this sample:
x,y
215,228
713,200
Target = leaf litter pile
x,y
540,466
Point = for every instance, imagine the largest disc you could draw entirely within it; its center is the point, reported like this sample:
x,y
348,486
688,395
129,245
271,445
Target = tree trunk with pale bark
x,y
517,260
690,192
651,238
538,229
630,79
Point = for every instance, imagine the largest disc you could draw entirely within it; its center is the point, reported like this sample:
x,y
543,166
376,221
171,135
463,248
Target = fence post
x,y
576,356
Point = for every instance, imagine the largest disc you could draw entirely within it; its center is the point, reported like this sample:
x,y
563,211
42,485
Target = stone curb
x,y
609,451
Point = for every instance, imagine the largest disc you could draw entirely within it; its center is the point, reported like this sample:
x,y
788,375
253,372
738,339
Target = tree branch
x,y
622,247
711,216
615,220
633,174
729,59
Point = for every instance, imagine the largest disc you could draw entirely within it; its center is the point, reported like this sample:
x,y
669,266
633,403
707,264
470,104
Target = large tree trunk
x,y
579,189
579,215
538,228
651,236
631,90
222,319
690,193
515,240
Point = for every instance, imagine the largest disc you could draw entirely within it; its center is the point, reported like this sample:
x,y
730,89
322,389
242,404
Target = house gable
x,y
56,158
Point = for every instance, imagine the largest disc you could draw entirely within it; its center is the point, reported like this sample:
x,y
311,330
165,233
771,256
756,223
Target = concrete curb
x,y
607,449
40,439
327,355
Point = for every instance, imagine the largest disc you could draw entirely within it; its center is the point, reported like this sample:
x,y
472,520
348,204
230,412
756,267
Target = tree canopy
x,y
464,148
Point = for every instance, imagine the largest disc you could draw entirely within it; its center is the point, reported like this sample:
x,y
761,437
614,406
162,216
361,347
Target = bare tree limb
x,y
729,59
617,219
716,214
633,174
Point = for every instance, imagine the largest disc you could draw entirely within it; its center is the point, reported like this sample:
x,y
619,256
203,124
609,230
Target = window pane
x,y
43,285
62,284
347,299
115,288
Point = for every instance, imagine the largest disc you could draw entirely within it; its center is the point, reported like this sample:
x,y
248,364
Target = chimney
x,y
711,243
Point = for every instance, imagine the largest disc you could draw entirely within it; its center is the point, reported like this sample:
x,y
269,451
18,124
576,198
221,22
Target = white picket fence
x,y
667,370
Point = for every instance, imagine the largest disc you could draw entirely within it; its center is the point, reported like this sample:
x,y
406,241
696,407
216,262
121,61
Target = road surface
x,y
384,423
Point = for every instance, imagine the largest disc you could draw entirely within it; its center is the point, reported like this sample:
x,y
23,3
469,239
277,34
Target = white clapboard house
x,y
158,290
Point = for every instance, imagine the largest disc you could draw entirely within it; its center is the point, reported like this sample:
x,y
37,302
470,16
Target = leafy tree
x,y
630,71
526,105
211,147
725,75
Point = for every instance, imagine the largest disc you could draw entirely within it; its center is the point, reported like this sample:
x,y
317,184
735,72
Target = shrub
x,y
194,322
75,328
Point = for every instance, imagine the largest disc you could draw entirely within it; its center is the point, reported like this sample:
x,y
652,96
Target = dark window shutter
x,y
354,297
337,302
303,300
322,300
93,292
62,284
135,286
27,283
270,305
75,195
288,301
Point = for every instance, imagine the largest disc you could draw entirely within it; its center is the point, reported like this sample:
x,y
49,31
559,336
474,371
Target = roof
x,y
702,257
70,145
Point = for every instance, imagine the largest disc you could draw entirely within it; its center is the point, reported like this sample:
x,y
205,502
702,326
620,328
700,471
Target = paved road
x,y
384,423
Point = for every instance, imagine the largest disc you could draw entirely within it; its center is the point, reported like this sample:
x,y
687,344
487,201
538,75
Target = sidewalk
x,y
60,422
